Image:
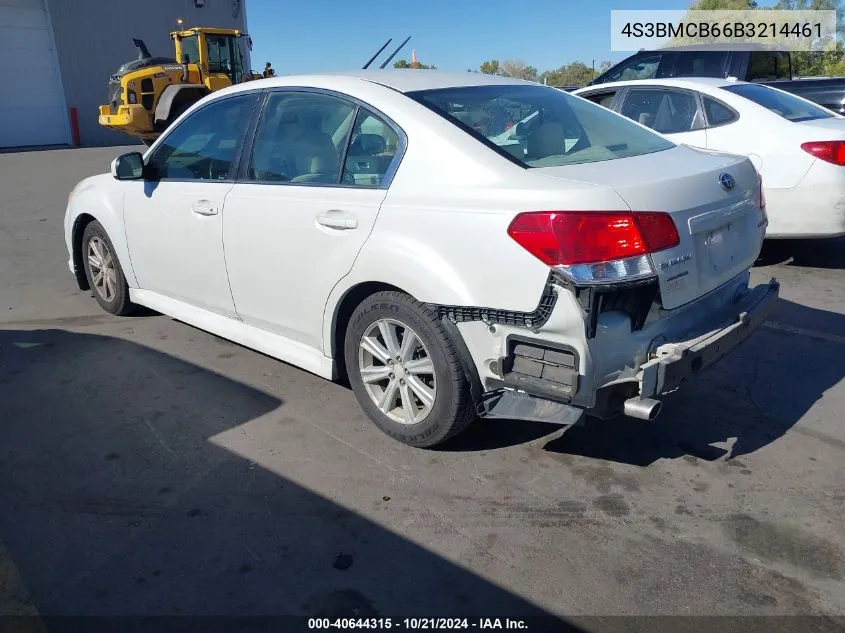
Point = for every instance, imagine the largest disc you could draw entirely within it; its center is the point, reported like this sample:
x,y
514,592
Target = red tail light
x,y
829,151
569,238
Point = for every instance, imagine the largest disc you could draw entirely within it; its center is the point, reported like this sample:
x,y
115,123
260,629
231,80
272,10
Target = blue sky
x,y
452,35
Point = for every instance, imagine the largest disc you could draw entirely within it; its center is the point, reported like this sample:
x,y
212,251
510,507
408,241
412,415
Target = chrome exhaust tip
x,y
642,408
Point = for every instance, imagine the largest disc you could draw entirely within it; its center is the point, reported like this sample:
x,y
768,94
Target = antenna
x,y
399,48
378,52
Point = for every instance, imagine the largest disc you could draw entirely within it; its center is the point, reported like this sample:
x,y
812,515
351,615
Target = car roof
x,y
402,80
696,83
720,47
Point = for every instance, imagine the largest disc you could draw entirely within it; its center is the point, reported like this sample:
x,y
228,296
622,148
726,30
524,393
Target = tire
x,y
177,110
113,297
422,424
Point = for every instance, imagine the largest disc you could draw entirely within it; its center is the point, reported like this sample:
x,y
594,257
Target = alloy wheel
x,y
397,371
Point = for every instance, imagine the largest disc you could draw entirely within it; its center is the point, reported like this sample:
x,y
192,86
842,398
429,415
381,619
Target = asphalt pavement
x,y
151,468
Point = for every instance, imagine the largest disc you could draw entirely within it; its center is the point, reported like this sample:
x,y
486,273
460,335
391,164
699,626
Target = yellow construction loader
x,y
147,94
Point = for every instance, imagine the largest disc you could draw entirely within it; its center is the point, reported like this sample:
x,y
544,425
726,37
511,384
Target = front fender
x,y
100,198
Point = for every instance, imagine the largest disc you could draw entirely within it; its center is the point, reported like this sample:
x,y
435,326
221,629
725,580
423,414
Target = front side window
x,y
787,105
538,126
372,149
666,111
642,68
301,138
203,146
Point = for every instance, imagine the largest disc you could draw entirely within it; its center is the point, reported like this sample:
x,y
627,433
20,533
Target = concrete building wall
x,y
94,37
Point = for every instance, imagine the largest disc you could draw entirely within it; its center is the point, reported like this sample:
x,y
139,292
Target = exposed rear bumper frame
x,y
675,362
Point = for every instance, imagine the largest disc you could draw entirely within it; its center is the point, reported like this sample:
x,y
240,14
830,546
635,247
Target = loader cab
x,y
216,52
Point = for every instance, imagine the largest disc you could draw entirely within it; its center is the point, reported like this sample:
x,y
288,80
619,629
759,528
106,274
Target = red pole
x,y
74,127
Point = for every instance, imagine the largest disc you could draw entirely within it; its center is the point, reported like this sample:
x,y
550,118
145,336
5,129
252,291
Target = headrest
x,y
367,145
547,140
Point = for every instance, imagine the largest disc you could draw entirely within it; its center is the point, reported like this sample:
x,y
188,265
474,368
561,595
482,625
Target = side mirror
x,y
128,166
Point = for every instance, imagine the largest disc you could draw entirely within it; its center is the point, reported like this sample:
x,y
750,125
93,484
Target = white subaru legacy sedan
x,y
387,228
797,146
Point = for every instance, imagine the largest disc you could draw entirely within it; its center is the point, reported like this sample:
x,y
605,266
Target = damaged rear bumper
x,y
673,363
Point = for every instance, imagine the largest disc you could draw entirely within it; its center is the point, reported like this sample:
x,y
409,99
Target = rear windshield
x,y
538,126
786,105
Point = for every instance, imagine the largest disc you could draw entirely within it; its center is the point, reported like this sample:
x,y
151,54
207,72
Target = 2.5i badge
x,y
675,261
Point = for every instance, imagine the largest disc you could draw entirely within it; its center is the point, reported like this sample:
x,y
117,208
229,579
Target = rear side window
x,y
300,138
667,111
538,126
604,99
372,148
768,66
717,113
700,64
788,106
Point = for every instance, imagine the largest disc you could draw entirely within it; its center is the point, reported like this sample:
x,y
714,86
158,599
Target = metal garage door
x,y
32,104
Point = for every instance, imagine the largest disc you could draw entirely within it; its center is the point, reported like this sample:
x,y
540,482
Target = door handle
x,y
203,207
337,220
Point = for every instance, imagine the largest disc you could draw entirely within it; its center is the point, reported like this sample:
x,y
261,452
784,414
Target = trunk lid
x,y
832,129
721,229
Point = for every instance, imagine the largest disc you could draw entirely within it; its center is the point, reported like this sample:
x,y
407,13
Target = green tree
x,y
829,62
518,69
404,63
574,74
490,67
813,63
724,5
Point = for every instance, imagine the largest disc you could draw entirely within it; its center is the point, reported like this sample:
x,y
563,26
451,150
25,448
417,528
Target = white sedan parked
x,y
797,146
378,226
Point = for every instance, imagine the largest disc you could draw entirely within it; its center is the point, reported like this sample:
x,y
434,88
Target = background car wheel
x,y
406,372
103,271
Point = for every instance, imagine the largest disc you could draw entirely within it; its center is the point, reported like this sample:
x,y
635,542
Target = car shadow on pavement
x,y
819,253
495,433
747,400
120,497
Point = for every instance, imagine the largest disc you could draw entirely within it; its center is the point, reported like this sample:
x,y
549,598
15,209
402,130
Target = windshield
x,y
538,126
786,105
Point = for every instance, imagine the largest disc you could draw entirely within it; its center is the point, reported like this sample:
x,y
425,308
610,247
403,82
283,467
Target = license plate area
x,y
719,250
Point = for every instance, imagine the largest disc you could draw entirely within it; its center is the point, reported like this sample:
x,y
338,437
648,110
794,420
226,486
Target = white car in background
x,y
797,146
355,226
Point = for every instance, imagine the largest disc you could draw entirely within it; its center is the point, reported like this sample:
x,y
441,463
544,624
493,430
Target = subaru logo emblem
x,y
727,181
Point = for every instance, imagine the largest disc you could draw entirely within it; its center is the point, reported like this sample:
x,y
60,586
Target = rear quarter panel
x,y
441,234
766,138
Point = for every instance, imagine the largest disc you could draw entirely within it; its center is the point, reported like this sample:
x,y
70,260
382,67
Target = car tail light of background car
x,y
829,151
593,247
